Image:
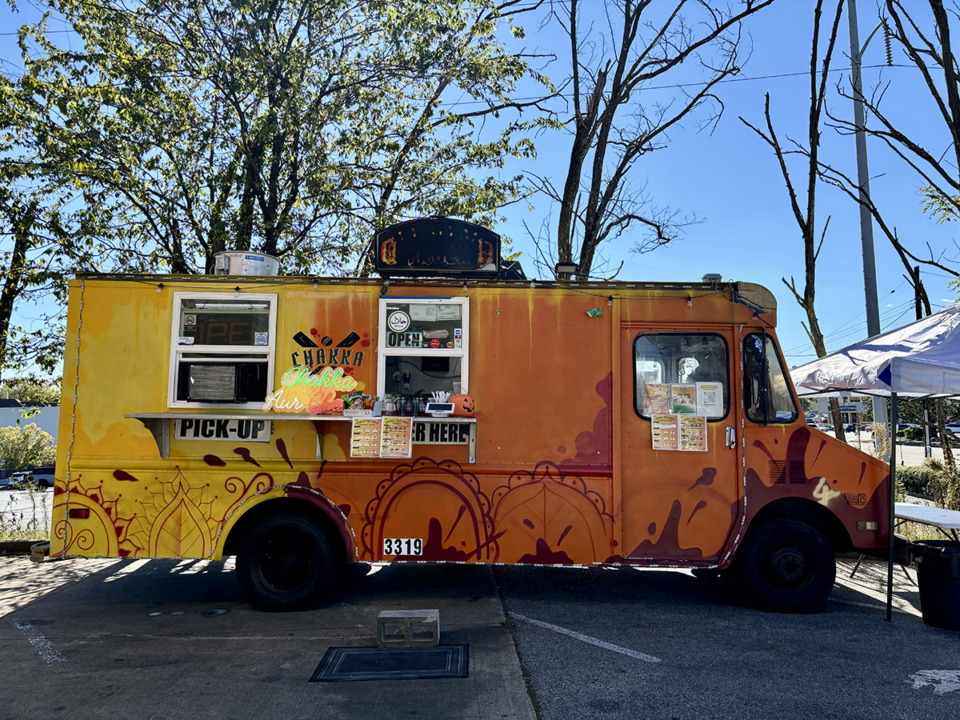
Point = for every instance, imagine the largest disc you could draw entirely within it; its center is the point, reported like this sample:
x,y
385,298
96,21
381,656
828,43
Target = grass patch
x,y
26,519
918,531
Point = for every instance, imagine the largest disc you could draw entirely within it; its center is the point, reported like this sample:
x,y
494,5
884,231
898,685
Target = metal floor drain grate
x,y
345,664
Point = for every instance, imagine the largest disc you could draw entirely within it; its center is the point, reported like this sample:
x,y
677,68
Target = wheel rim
x,y
788,568
284,562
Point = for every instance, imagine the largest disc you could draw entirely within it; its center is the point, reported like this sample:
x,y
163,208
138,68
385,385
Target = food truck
x,y
448,411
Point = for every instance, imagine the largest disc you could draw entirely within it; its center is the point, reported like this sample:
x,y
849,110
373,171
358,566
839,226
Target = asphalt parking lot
x,y
175,639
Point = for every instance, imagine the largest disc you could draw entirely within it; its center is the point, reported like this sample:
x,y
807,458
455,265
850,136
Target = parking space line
x,y
587,639
45,649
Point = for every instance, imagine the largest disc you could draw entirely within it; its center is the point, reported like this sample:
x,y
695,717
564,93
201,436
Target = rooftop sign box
x,y
437,247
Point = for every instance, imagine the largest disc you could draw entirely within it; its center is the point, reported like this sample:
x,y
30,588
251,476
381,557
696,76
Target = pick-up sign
x,y
252,430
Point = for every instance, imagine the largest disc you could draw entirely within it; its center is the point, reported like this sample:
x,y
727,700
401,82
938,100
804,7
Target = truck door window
x,y
766,388
221,350
682,373
423,346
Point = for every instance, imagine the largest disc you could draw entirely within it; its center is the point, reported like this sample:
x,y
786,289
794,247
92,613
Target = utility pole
x,y
863,180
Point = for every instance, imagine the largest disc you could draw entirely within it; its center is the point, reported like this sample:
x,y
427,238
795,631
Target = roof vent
x,y
245,263
713,278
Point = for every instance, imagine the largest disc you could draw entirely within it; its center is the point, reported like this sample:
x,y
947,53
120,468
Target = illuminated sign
x,y
312,391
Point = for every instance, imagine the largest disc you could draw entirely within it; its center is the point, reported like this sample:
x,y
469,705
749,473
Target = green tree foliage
x,y
281,127
26,447
167,131
31,389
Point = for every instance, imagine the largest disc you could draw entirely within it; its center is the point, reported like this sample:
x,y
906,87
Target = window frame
x,y
383,352
223,352
784,372
728,402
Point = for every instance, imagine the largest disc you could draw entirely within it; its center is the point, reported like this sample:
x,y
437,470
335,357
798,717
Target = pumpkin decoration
x,y
463,405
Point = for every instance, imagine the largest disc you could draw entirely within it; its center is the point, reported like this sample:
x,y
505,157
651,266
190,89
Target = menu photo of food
x,y
656,398
683,399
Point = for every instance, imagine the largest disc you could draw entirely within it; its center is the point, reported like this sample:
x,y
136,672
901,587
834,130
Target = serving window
x,y
221,349
423,346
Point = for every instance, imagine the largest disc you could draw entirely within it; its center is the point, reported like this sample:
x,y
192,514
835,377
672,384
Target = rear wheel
x,y
285,562
787,566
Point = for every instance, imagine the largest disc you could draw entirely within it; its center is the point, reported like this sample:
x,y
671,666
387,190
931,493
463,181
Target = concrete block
x,y
408,628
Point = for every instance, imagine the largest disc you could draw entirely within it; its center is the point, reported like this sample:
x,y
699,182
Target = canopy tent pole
x,y
894,421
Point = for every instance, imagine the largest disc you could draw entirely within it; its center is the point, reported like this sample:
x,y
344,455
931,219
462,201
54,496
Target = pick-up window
x,y
221,349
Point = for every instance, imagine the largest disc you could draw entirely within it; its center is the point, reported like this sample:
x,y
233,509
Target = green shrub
x,y
912,433
916,480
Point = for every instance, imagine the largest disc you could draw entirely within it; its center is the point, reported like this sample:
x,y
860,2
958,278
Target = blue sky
x,y
730,179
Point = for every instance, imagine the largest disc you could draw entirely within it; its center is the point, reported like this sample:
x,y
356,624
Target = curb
x,y
17,547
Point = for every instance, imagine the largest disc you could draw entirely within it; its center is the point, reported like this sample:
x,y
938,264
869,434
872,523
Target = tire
x,y
285,562
787,566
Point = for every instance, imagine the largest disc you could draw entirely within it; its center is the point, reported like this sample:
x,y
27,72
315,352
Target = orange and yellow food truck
x,y
446,413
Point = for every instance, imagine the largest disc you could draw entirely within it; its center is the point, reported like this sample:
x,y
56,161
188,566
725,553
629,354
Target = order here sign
x,y
252,430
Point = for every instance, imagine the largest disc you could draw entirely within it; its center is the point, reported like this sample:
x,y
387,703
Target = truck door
x,y
681,480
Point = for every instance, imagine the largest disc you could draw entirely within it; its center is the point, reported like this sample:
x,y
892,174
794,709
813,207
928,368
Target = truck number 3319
x,y
402,546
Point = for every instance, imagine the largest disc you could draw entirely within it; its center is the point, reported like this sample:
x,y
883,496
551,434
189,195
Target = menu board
x,y
693,433
365,437
386,437
396,437
666,432
687,433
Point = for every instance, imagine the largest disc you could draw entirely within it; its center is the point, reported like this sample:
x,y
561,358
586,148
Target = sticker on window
x,y
184,340
398,321
260,338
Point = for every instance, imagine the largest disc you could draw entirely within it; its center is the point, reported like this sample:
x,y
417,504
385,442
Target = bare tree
x,y
692,43
923,32
804,210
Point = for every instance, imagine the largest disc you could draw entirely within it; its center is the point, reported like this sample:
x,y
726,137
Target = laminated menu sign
x,y
666,432
693,433
656,399
710,399
396,437
687,433
365,437
683,399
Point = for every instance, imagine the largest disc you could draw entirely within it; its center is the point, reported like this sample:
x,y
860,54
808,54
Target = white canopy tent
x,y
919,360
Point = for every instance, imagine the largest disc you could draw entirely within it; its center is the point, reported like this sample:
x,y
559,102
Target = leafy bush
x,y
912,432
916,479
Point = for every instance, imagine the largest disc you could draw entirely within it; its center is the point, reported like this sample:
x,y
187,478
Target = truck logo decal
x,y
325,354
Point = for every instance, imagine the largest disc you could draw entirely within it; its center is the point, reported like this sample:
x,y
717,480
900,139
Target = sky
x,y
731,180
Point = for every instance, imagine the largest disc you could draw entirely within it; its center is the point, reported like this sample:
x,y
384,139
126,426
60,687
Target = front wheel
x,y
787,566
285,562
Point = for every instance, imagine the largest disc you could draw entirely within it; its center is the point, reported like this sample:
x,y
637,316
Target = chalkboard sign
x,y
437,247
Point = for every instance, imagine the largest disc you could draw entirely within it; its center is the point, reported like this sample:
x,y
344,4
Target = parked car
x,y
40,477
6,483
